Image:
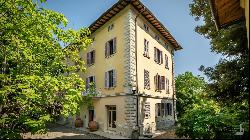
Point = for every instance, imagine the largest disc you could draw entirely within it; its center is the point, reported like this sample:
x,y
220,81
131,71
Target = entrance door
x,y
111,116
91,115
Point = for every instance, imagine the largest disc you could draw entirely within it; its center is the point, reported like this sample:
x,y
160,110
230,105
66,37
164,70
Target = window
x,y
90,81
146,48
158,56
110,79
167,86
110,47
166,45
163,109
110,27
157,37
146,80
111,116
159,82
166,62
168,109
91,58
146,27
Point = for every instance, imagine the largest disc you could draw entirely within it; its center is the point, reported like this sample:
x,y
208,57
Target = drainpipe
x,y
137,97
173,82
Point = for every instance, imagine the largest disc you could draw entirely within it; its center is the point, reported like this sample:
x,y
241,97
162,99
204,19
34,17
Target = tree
x,y
189,88
36,85
201,116
229,78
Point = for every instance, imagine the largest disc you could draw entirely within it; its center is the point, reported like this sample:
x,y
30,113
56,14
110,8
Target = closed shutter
x,y
93,61
106,79
155,54
106,49
114,78
114,45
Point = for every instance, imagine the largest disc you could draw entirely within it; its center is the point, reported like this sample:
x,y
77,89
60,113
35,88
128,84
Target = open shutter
x,y
93,61
161,57
155,82
168,86
162,82
88,58
94,82
147,49
170,109
155,54
106,49
114,78
114,45
106,79
156,110
87,84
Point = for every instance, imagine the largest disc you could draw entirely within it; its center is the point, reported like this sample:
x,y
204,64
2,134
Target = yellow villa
x,y
131,65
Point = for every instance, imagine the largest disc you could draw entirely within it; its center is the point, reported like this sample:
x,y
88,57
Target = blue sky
x,y
173,14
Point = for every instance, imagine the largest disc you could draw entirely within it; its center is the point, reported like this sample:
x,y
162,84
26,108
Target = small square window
x,y
146,27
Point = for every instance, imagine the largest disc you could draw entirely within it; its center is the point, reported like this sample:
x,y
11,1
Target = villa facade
x,y
130,62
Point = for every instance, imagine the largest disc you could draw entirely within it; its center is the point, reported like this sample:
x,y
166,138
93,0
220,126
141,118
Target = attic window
x,y
110,27
157,37
146,27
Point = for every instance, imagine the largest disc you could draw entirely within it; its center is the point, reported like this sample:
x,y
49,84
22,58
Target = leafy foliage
x,y
189,91
229,78
36,83
225,105
200,116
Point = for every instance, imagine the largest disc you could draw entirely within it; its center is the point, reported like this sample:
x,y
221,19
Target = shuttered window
x,y
163,109
90,80
110,47
166,61
146,80
167,86
146,48
158,58
110,79
91,58
159,82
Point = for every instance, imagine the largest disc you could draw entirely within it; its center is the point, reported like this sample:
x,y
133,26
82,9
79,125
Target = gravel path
x,y
61,132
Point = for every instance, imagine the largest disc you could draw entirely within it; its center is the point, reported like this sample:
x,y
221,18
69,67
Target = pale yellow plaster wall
x,y
101,110
116,61
150,64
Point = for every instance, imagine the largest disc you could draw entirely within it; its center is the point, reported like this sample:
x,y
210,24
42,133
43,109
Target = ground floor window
x,y
111,116
163,109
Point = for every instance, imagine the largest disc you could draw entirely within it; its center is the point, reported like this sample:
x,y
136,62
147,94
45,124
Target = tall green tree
x,y
229,78
36,83
189,90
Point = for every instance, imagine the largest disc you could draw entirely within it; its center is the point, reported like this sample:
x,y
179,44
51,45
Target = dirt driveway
x,y
61,132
